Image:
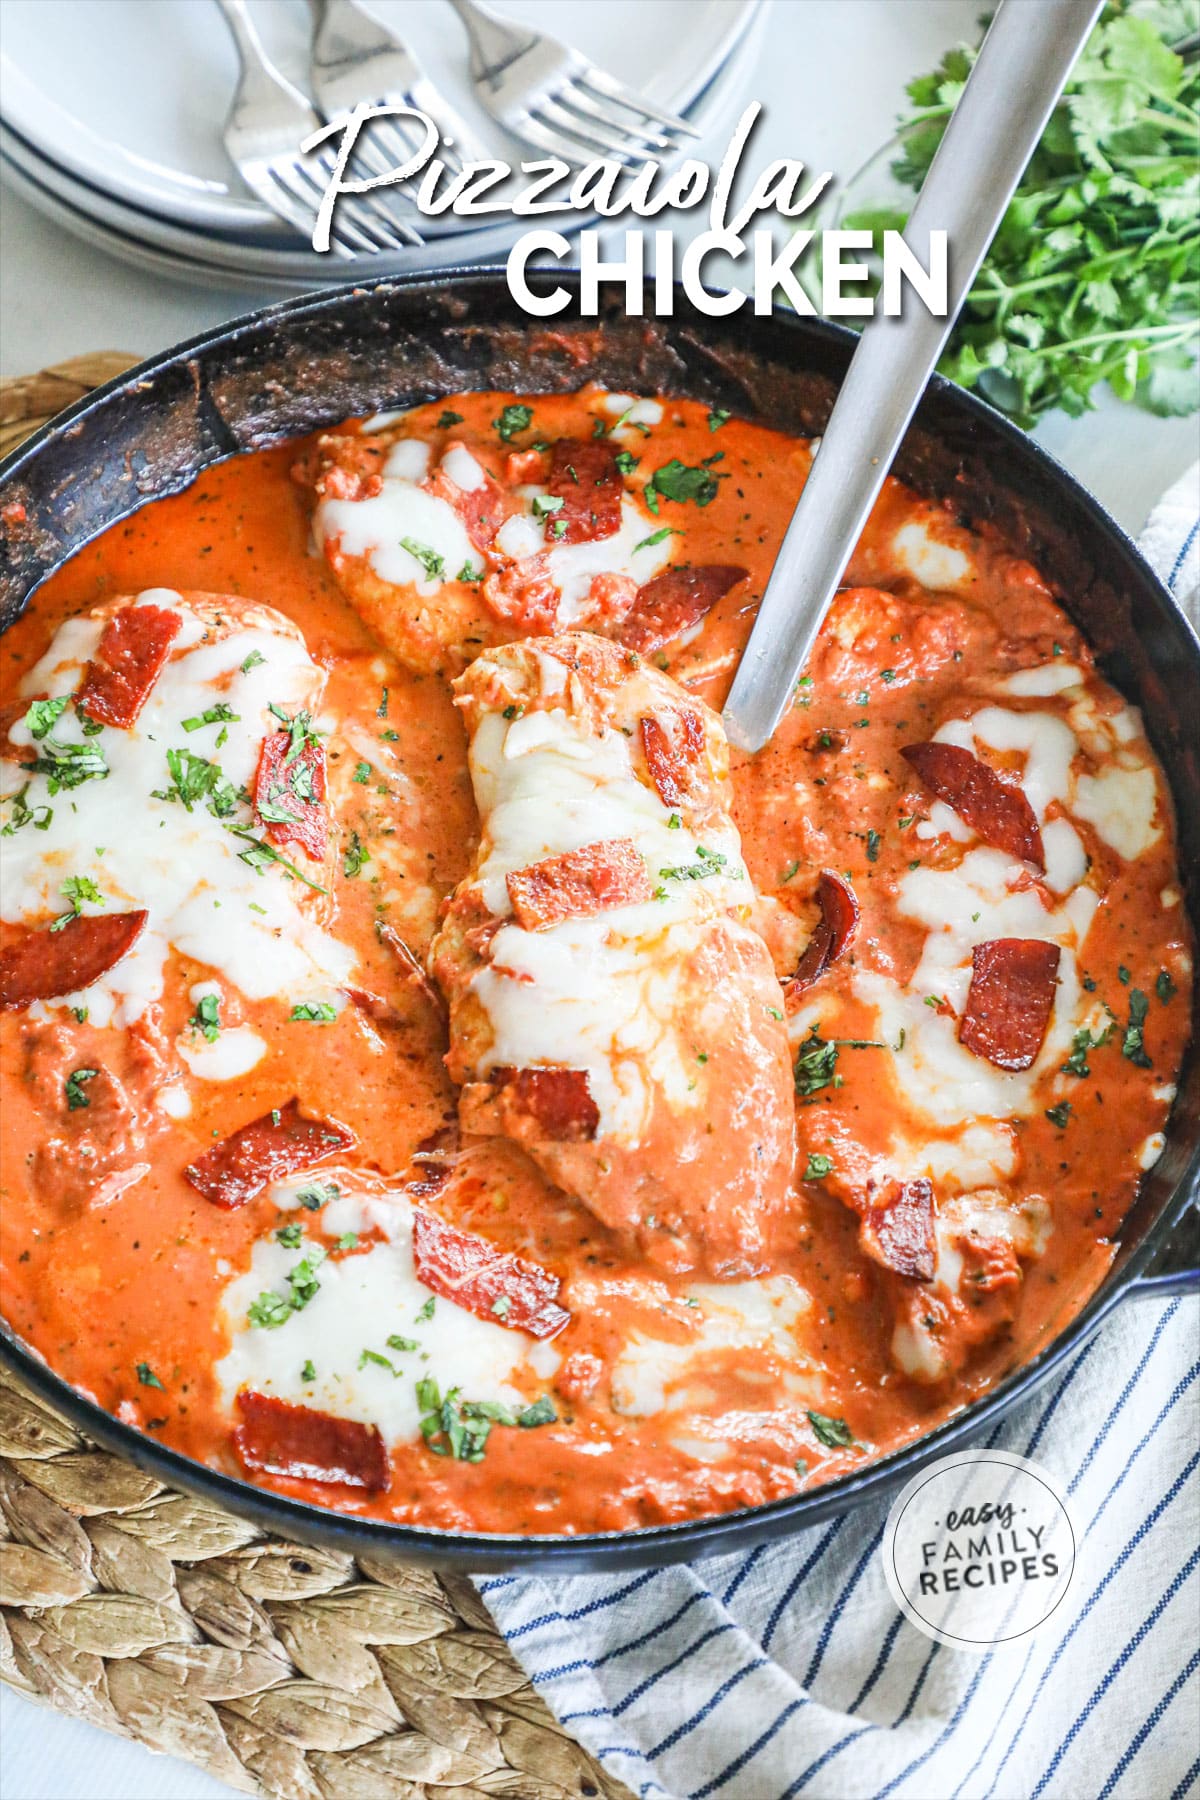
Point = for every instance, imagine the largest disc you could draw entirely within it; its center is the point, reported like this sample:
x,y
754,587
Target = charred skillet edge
x,y
314,361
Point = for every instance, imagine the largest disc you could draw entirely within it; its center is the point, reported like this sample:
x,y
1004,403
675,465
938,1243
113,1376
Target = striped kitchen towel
x,y
788,1671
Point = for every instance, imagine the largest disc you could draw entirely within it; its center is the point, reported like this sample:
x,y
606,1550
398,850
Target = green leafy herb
x,y
313,1197
23,814
68,766
717,418
1059,1115
816,1064
259,855
656,537
148,1378
1164,987
542,1412
1133,1045
73,1088
383,1362
396,1342
1081,1043
347,1241
426,1310
206,1020
711,863
314,1012
43,715
193,779
513,419
354,857
290,1234
679,482
546,504
433,564
1092,276
1123,975
77,889
835,1434
308,1372
873,841
220,714
818,1166
269,1311
448,419
252,661
469,572
626,461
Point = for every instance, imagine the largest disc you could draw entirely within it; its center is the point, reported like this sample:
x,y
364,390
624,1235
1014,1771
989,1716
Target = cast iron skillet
x,y
311,362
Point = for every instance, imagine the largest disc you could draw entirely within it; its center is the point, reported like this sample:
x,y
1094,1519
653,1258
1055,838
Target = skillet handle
x,y
1176,1267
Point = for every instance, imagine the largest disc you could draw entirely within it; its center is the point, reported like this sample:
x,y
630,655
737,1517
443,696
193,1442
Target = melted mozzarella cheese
x,y
598,993
572,566
1120,803
655,1375
935,565
362,1300
981,1217
376,527
1046,679
184,867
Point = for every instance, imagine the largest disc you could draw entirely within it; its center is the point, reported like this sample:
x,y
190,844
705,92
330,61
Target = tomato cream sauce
x,y
802,1095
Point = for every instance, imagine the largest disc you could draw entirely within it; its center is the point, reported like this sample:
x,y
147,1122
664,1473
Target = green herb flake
x,y
77,889
717,417
1133,1046
269,1311
425,1311
448,419
816,1064
818,1167
542,1412
308,1372
678,482
1164,987
73,1088
469,573
656,537
315,1196
252,661
835,1434
873,842
290,1234
433,564
206,1020
148,1378
396,1342
314,1012
220,714
1060,1115
354,857
513,419
347,1241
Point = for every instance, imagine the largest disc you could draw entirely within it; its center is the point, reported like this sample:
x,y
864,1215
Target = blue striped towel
x,y
789,1671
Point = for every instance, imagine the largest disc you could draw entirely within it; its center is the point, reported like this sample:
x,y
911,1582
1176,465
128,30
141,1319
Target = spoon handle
x,y
1019,74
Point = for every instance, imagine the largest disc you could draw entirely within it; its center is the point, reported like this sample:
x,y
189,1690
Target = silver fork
x,y
267,123
552,96
356,61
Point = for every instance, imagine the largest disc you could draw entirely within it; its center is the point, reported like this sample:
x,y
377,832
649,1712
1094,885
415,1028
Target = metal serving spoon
x,y
1020,72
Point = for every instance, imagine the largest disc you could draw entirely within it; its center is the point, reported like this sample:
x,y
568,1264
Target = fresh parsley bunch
x,y
1094,275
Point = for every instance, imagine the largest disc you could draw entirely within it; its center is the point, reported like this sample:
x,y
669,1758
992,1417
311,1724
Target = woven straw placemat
x,y
282,1669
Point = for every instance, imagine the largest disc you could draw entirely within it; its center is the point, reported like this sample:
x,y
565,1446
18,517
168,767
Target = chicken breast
x,y
611,1009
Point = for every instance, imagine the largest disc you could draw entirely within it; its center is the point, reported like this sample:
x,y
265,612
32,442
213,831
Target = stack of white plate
x,y
111,114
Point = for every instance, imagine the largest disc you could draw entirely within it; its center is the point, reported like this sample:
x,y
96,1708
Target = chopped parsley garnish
x,y
433,564
501,1306
77,889
816,1065
194,778
426,1310
1123,975
887,674
347,1241
206,1020
23,814
873,842
626,461
272,1309
354,857
717,417
315,1196
259,855
469,572
448,419
792,869
546,504
677,481
43,715
269,1311
452,1426
252,661
1133,1045
1059,1115
557,528
308,1372
290,1234
362,773
382,709
73,1088
383,1362
542,1412
396,1342
513,419
674,823
818,1166
67,766
220,714
835,1434
711,863
148,1378
1164,987
656,537
1081,1043
314,1012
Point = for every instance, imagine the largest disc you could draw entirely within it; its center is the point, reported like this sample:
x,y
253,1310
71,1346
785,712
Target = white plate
x,y
131,98
151,243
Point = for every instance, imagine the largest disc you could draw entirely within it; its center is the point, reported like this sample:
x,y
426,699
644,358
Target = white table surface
x,y
830,76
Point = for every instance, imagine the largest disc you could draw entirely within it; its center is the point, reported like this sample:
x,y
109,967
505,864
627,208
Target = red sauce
x,y
107,1281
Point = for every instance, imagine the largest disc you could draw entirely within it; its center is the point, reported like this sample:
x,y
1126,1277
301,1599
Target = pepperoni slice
x,y
44,964
579,884
558,1101
280,1143
482,509
133,648
675,600
279,1438
488,1282
295,786
835,928
585,477
897,1228
995,808
1008,1006
672,758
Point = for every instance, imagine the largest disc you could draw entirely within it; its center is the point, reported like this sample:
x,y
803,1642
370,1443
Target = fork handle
x,y
494,42
261,80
